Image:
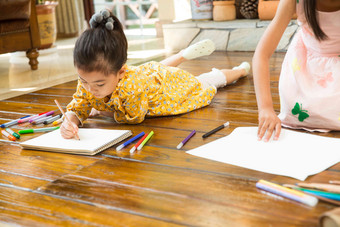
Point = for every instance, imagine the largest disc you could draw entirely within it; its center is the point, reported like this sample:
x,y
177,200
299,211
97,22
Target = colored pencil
x,y
329,195
181,144
287,192
14,122
129,141
9,136
33,130
57,122
215,130
62,111
145,141
320,186
10,131
41,120
52,119
42,116
137,144
317,196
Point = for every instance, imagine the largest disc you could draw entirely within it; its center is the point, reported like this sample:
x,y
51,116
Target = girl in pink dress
x,y
310,77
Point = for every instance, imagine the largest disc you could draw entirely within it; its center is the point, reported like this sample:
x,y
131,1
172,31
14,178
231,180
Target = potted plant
x,y
47,22
224,10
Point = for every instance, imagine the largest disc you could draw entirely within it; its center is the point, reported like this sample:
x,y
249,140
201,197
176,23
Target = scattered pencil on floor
x,y
321,186
216,129
52,119
9,136
181,144
331,201
33,130
129,141
138,143
145,141
287,192
10,131
14,122
57,122
41,116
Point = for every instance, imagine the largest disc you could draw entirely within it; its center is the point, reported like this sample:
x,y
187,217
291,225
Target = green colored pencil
x,y
25,131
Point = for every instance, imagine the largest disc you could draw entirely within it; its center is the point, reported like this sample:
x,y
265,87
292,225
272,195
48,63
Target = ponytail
x,y
103,47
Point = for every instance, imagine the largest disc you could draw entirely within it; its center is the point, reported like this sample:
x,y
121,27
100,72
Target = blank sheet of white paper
x,y
295,154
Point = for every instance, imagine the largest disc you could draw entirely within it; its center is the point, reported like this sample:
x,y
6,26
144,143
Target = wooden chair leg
x,y
33,55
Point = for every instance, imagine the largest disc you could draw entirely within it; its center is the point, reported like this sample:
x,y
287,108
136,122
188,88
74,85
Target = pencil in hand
x,y
62,111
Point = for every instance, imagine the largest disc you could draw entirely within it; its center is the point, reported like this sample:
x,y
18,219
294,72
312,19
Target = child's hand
x,y
94,112
269,123
68,129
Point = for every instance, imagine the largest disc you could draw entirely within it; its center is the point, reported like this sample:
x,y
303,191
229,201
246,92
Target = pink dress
x,y
310,77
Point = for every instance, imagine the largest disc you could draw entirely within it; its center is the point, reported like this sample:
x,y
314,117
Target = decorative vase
x,y
267,9
224,10
47,24
201,9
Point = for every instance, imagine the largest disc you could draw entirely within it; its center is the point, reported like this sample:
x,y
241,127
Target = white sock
x,y
199,49
244,65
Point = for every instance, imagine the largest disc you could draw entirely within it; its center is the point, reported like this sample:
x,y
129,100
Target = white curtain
x,y
70,18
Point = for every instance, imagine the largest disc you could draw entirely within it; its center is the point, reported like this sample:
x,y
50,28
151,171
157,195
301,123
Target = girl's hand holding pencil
x,y
69,128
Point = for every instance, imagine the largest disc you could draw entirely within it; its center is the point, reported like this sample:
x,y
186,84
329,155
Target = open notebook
x,y
91,141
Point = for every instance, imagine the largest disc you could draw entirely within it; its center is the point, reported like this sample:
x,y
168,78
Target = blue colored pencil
x,y
129,141
11,123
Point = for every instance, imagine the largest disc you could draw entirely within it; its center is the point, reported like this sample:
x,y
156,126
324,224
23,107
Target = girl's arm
x,y
268,120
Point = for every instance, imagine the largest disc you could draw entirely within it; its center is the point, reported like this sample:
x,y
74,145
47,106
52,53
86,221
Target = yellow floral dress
x,y
151,89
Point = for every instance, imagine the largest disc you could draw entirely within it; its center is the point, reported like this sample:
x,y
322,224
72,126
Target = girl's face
x,y
99,84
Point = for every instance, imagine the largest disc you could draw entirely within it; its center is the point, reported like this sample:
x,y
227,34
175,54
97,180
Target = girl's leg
x,y
220,78
237,72
233,75
199,49
174,60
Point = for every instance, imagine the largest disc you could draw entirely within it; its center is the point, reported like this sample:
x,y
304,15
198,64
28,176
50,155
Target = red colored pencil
x,y
137,144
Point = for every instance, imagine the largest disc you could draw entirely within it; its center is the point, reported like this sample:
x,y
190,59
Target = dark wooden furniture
x,y
158,186
19,29
88,10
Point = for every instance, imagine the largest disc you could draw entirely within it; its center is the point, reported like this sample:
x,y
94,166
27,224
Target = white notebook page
x,y
90,140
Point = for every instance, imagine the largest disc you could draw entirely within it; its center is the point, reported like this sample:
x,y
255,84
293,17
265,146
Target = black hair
x,y
100,49
309,7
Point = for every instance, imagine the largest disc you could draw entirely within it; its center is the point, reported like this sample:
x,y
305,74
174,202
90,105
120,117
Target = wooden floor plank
x,y
33,208
155,189
40,165
158,186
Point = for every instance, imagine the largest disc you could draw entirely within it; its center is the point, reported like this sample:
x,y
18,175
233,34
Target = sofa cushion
x,y
12,26
15,9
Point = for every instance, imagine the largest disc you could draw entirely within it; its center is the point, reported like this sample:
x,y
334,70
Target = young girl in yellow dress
x,y
128,94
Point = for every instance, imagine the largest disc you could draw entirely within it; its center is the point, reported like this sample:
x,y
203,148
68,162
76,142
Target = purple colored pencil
x,y
181,144
42,116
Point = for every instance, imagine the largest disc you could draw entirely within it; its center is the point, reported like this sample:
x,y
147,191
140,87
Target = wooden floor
x,y
158,186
